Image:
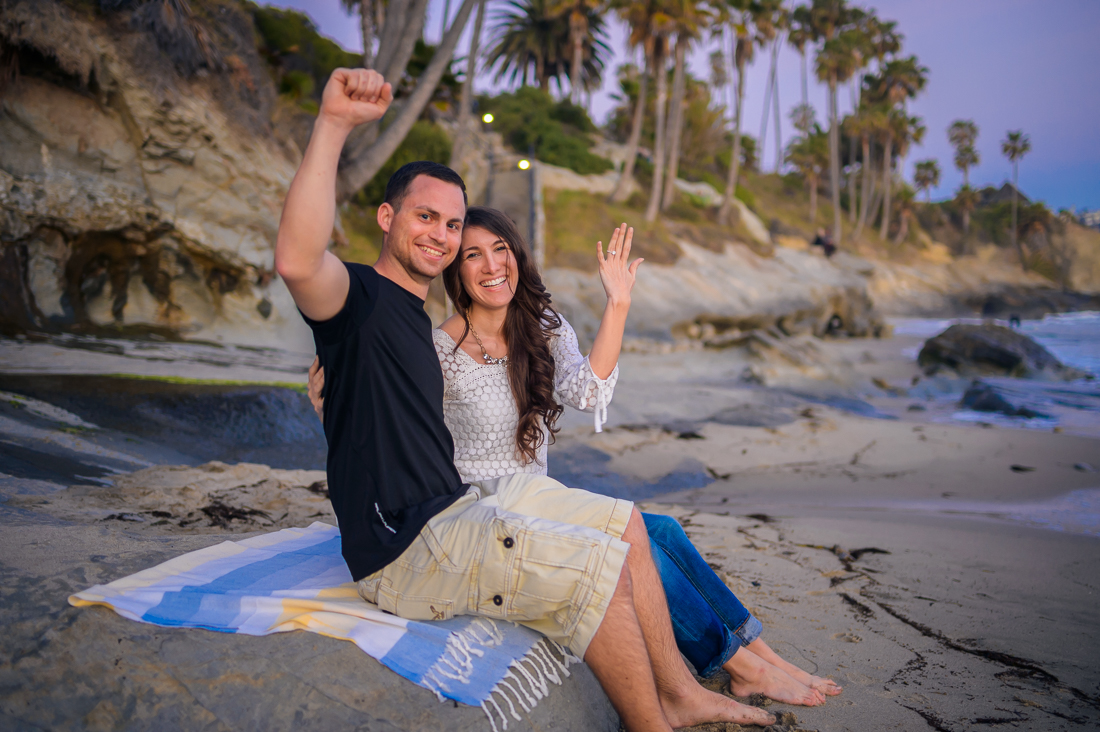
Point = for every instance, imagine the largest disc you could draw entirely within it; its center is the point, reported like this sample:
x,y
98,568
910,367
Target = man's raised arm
x,y
316,279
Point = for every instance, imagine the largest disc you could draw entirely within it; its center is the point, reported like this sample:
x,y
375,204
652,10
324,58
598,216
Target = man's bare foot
x,y
750,674
764,651
695,705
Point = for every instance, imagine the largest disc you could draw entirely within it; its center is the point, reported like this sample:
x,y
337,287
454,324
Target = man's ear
x,y
385,217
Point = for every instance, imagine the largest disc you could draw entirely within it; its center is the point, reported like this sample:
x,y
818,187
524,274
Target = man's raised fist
x,y
355,96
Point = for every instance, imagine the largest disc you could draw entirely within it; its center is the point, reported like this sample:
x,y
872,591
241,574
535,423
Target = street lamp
x,y
524,164
487,117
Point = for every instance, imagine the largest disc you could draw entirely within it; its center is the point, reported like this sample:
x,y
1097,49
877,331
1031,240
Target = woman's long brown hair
x,y
527,330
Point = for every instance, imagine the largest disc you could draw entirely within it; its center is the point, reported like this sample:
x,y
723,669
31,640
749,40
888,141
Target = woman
x,y
504,354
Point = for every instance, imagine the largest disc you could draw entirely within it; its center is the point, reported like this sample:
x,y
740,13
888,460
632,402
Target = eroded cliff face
x,y
136,195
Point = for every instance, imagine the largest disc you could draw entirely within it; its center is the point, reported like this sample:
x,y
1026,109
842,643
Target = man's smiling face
x,y
424,233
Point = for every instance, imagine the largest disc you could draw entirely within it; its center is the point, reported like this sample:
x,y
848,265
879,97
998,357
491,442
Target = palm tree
x,y
660,70
800,35
690,18
747,35
526,35
580,14
905,212
880,40
802,117
871,122
926,177
963,133
902,131
809,155
966,199
367,10
837,24
642,19
1014,147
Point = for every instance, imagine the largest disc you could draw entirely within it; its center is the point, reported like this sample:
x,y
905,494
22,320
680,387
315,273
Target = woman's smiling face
x,y
488,268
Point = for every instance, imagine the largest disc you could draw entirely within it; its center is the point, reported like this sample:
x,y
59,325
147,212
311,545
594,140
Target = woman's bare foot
x,y
696,705
750,674
764,651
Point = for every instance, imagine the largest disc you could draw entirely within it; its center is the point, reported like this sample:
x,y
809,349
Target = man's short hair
x,y
400,181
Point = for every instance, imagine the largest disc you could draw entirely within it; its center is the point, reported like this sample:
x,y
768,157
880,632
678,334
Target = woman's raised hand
x,y
617,276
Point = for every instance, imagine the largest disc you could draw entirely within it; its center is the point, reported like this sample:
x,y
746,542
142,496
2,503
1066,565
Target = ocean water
x,y
1074,338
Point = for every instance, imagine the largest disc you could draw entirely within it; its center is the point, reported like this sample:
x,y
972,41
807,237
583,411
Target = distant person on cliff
x,y
419,541
824,241
505,353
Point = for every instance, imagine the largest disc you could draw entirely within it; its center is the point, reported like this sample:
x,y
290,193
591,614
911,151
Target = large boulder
x,y
975,350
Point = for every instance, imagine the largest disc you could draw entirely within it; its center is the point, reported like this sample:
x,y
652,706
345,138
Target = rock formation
x,y
141,177
991,350
717,296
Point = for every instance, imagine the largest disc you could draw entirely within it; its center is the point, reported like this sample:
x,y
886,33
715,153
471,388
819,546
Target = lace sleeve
x,y
448,359
577,385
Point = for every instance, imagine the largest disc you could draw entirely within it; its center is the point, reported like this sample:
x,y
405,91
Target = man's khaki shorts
x,y
523,548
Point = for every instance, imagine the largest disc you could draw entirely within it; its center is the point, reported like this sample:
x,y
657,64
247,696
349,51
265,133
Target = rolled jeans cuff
x,y
750,631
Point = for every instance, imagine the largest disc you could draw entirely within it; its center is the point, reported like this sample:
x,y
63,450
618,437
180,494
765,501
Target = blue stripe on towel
x,y
219,601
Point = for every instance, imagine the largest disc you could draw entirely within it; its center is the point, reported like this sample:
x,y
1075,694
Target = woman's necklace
x,y
502,361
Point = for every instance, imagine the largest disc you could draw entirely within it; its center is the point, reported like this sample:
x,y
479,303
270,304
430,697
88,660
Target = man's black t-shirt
x,y
390,455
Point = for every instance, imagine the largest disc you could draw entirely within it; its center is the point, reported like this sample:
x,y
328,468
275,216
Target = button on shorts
x,y
523,548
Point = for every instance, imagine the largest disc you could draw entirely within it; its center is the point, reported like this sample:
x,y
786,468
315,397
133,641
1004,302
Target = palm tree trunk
x,y
887,177
658,134
622,188
852,161
366,25
903,228
735,158
767,111
834,160
467,104
396,44
866,179
812,180
675,124
805,89
577,31
361,162
1016,234
778,116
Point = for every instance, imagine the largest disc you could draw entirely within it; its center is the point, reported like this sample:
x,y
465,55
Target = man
x,y
570,564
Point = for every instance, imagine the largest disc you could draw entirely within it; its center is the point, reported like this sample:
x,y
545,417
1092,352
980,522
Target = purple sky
x,y
1006,64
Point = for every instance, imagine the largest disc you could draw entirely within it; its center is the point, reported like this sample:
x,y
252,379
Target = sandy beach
x,y
943,572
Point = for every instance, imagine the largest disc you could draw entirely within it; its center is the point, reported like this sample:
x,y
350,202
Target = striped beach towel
x,y
296,579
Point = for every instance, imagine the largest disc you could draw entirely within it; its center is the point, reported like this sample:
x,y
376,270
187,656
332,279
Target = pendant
x,y
503,361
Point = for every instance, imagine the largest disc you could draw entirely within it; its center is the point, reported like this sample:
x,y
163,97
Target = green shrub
x,y
291,43
557,131
745,196
425,141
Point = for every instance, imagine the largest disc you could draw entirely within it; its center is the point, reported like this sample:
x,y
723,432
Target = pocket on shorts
x,y
414,608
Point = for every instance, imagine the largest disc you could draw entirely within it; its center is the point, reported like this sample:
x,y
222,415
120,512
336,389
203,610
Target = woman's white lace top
x,y
481,413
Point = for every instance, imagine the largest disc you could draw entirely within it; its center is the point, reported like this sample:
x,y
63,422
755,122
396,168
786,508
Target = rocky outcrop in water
x,y
141,177
991,350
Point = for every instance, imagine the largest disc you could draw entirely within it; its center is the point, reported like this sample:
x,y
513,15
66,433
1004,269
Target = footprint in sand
x,y
847,637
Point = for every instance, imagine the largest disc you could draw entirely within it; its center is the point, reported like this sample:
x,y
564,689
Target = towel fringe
x,y
544,667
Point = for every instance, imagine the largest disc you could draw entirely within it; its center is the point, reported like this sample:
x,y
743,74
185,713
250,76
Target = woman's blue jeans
x,y
709,621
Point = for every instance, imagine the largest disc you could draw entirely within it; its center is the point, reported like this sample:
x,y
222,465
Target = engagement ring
x,y
610,251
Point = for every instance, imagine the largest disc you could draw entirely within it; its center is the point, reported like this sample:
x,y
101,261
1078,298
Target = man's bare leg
x,y
750,674
617,656
764,651
684,701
